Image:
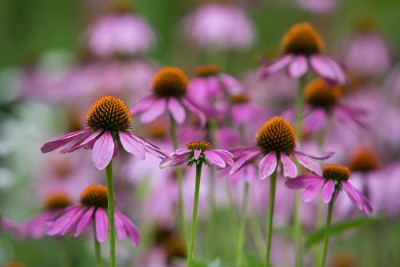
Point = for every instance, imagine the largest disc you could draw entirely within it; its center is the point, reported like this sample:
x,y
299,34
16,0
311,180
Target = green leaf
x,y
338,228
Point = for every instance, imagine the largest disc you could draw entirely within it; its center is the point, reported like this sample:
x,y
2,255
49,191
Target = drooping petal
x,y
103,151
157,108
327,191
130,228
83,142
149,147
323,67
268,165
173,160
119,227
276,66
289,168
324,156
225,155
73,222
195,110
176,109
101,225
182,151
340,75
303,181
143,105
357,198
308,163
214,158
196,154
244,159
59,224
298,67
311,191
84,221
232,85
63,140
315,120
131,145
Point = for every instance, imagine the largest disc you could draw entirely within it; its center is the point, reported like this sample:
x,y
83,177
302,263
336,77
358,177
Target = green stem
x,y
179,178
297,198
327,232
270,218
194,215
97,250
257,235
111,227
64,249
242,228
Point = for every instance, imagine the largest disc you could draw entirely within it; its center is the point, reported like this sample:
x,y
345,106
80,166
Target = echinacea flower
x,y
324,102
169,87
93,209
122,33
211,26
200,151
109,122
275,142
37,226
334,179
302,48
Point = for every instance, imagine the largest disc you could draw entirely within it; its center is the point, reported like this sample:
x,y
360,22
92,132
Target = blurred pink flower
x,y
210,26
92,207
318,6
122,33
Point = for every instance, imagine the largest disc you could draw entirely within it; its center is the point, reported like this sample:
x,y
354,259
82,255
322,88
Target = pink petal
x,y
324,156
143,105
357,198
173,160
59,224
225,155
196,154
130,228
327,191
157,108
195,110
289,168
182,151
73,222
131,145
315,120
53,145
276,66
83,142
119,227
214,158
101,225
268,165
298,67
232,85
85,219
176,109
248,156
323,67
311,191
308,163
304,181
103,151
340,75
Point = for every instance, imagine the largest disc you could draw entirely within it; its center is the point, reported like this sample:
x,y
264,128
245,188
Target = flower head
x,y
198,153
211,26
302,49
169,93
335,178
275,141
92,209
108,121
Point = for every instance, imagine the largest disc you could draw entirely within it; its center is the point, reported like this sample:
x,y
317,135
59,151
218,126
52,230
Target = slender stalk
x,y
179,178
111,227
194,215
270,218
299,104
242,228
255,228
97,250
64,250
327,232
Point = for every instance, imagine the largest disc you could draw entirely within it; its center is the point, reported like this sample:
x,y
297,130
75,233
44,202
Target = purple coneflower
x,y
335,178
200,151
109,122
37,226
276,141
302,47
211,26
93,208
169,87
121,33
323,102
